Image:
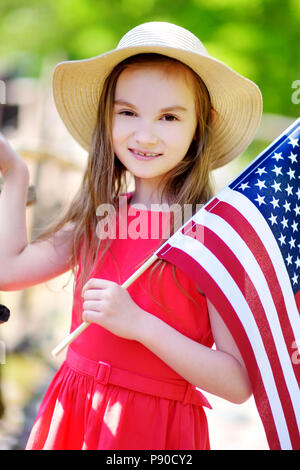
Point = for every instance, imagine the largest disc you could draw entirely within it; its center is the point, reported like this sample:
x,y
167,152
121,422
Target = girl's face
x,y
154,119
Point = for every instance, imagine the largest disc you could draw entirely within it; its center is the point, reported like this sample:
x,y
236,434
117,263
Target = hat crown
x,y
159,33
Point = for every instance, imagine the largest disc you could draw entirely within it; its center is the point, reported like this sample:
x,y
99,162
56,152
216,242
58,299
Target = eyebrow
x,y
163,110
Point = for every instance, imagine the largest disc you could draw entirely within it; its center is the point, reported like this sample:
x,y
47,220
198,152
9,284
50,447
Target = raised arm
x,y
23,264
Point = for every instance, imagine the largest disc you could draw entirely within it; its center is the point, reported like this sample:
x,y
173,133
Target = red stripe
x,y
250,237
211,289
228,259
211,204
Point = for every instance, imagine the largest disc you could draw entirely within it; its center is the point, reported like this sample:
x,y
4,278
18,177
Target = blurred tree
x,y
259,38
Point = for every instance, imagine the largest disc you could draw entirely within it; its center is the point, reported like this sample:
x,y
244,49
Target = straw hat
x,y
77,86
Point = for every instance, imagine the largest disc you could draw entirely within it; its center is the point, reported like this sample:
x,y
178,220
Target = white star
x,y
289,190
276,186
291,174
293,157
273,219
289,259
295,226
293,142
295,279
297,210
261,184
292,242
298,193
260,199
277,156
244,186
260,171
274,202
284,223
277,170
287,206
297,262
281,239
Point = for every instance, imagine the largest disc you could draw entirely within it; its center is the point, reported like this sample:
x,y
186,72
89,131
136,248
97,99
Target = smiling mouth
x,y
144,155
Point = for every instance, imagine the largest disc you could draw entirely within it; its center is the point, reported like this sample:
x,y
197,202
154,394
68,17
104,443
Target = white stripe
x,y
251,266
229,288
255,218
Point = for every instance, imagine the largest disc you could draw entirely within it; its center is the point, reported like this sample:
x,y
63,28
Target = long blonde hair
x,y
105,177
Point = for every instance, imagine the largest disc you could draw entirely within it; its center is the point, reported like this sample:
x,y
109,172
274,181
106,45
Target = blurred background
x,y
258,38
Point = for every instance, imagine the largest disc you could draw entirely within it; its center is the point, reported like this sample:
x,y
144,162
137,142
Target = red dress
x,y
114,393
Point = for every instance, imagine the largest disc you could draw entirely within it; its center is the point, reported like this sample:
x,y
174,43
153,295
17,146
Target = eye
x,y
126,112
169,117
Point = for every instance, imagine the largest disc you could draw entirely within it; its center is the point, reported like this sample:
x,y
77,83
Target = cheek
x,y
120,130
179,139
115,132
119,141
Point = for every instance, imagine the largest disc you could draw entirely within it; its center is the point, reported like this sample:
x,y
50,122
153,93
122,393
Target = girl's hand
x,y
9,158
109,305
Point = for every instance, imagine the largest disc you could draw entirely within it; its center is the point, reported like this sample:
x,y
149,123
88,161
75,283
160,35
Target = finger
x,y
92,294
92,305
91,317
95,283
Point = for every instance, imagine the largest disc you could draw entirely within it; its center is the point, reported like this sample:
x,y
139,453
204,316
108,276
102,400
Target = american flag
x,y
243,251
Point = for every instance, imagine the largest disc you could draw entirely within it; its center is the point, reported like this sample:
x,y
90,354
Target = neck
x,y
147,193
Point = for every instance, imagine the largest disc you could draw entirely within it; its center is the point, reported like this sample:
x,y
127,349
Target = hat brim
x,y
77,86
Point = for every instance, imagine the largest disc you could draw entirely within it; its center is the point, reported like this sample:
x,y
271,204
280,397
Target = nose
x,y
145,134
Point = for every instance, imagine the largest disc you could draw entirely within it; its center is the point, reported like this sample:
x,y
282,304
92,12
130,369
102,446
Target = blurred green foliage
x,y
258,38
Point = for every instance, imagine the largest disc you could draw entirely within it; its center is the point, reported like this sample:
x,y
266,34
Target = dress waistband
x,y
104,373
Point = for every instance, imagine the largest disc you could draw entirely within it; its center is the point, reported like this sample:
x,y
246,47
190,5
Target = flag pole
x,y
66,341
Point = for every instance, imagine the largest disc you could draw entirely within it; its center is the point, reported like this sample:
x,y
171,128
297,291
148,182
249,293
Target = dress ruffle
x,y
111,417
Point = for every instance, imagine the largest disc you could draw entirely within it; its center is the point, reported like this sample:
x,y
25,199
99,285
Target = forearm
x,y
211,370
13,230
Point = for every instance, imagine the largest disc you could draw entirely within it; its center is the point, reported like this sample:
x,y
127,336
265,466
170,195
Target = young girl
x,y
159,108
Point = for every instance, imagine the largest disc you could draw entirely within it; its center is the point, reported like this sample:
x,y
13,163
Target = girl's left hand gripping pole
x,y
4,314
85,324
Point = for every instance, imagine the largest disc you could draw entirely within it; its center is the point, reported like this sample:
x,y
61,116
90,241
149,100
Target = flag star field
x,y
273,186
